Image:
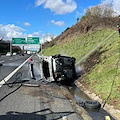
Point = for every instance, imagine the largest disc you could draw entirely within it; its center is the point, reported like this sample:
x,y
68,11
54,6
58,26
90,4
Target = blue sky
x,y
23,18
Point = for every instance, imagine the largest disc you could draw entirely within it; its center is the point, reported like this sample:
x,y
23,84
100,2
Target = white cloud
x,y
106,2
114,3
59,23
39,2
47,37
34,34
78,14
9,31
58,6
116,6
27,24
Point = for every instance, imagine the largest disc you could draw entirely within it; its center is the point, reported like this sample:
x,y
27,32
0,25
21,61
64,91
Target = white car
x,y
28,52
14,54
8,54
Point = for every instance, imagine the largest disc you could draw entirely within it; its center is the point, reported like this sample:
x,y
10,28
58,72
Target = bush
x,y
100,10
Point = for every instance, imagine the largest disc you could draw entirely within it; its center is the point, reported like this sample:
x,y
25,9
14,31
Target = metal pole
x,y
119,18
11,46
41,49
23,48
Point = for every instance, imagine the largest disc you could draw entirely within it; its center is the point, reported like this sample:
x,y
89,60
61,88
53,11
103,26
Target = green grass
x,y
102,75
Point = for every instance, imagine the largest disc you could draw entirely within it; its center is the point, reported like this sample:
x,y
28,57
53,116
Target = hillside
x,y
85,25
100,67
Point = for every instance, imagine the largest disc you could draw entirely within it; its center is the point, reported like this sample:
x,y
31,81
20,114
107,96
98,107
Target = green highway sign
x,y
33,40
18,41
34,50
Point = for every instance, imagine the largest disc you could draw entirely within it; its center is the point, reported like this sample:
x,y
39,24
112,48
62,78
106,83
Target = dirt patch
x,y
45,93
53,89
36,92
92,60
88,65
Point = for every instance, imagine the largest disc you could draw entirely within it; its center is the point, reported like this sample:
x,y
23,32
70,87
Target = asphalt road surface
x,y
10,63
33,99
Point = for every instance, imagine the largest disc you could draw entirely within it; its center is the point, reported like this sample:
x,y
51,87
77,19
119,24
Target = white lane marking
x,y
2,61
12,73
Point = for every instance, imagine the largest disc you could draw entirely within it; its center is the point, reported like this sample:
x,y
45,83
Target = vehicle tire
x,y
73,59
92,104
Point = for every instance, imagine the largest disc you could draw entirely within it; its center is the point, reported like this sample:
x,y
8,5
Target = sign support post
x,y
41,48
11,46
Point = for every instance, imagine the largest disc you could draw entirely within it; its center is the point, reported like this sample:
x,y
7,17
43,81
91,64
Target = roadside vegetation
x,y
5,47
99,67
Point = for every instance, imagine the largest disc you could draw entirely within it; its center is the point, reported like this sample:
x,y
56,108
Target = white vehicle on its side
x,y
57,68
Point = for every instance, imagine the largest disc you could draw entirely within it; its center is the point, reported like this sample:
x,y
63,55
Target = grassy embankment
x,y
101,75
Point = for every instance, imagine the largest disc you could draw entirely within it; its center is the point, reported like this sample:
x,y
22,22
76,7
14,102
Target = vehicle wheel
x,y
92,104
73,59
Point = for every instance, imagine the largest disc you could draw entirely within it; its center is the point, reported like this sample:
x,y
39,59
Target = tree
x,y
1,39
100,10
78,19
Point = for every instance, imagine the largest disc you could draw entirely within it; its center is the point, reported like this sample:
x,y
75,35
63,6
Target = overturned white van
x,y
57,68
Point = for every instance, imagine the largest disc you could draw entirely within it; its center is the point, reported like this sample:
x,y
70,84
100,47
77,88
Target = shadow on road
x,y
99,114
45,114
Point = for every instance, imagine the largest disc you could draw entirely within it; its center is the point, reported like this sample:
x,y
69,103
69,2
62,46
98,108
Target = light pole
x,y
41,48
11,46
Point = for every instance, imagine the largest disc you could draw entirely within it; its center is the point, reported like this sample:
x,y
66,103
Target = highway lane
x,y
10,63
6,59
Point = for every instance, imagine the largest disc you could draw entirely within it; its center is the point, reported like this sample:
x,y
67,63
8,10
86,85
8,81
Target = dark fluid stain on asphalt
x,y
45,93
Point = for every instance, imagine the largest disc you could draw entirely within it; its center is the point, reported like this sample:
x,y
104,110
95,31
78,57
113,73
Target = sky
x,y
43,18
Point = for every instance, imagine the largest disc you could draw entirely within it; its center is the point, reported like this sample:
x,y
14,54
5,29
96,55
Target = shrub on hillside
x,y
100,10
100,15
